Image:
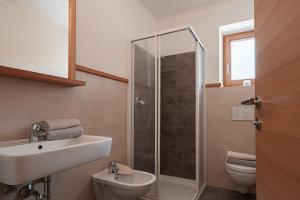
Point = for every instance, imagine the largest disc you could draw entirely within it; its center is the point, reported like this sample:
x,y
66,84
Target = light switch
x,y
243,113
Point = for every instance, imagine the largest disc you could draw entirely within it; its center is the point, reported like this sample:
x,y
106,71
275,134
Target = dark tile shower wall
x,y
178,137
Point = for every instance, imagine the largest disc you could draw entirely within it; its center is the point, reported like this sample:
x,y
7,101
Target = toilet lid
x,y
241,169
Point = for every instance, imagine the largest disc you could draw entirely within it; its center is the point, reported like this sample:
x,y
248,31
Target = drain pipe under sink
x,y
28,190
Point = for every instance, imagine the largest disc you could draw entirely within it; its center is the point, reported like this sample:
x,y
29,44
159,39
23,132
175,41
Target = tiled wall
x,y
101,107
178,116
223,134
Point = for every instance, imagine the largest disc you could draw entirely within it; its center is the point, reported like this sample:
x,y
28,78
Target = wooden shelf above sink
x,y
34,76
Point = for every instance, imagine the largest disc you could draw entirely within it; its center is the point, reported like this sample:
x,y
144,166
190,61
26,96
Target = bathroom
x,y
139,102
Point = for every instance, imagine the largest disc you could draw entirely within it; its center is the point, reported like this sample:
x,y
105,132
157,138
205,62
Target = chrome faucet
x,y
35,133
113,168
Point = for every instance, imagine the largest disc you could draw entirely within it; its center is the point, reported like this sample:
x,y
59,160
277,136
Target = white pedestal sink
x,y
21,161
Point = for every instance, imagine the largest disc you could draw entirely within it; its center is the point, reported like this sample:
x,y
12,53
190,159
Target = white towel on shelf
x,y
67,133
240,156
56,124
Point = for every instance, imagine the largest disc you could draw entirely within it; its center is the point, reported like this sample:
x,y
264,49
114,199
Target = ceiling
x,y
163,8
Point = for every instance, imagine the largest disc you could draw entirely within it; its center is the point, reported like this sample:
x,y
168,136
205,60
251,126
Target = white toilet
x,y
243,176
107,187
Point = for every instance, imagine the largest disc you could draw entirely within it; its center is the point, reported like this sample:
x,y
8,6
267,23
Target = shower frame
x,y
156,36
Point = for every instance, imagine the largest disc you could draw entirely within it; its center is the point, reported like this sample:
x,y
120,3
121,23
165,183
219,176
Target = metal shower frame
x,y
156,37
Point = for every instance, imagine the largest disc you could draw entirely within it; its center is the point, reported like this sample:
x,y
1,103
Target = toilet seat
x,y
241,169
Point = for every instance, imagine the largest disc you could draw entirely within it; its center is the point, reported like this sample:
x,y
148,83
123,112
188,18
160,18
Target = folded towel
x,y
55,124
247,163
241,156
66,133
124,170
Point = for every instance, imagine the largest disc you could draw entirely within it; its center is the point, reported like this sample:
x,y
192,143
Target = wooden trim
x,y
34,76
227,55
210,85
100,73
72,39
242,35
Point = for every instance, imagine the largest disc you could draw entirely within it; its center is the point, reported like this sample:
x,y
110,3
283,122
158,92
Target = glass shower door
x,y
200,117
144,106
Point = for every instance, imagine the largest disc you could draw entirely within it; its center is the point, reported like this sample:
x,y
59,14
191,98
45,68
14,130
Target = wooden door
x,y
278,83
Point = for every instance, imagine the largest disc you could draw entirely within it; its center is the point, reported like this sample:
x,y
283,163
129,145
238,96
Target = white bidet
x,y
125,187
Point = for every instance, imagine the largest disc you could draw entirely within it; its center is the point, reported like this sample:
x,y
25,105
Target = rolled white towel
x,y
66,133
55,124
124,170
248,163
240,156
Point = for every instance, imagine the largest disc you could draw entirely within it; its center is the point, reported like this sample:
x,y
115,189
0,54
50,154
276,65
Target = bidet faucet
x,y
35,133
113,168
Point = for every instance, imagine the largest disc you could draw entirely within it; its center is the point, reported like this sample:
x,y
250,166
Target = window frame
x,y
227,57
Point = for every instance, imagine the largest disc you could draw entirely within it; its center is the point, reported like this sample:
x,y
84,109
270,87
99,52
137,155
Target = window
x,y
239,58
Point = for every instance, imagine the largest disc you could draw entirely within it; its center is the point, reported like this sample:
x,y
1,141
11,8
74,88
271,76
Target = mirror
x,y
38,36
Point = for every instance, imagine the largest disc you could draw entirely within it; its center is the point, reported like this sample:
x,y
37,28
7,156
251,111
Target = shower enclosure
x,y
168,113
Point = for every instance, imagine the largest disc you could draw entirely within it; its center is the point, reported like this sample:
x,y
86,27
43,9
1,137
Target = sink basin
x,y
21,161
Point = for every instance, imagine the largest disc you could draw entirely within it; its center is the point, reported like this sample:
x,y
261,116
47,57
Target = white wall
x,y
30,42
206,21
105,29
177,43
